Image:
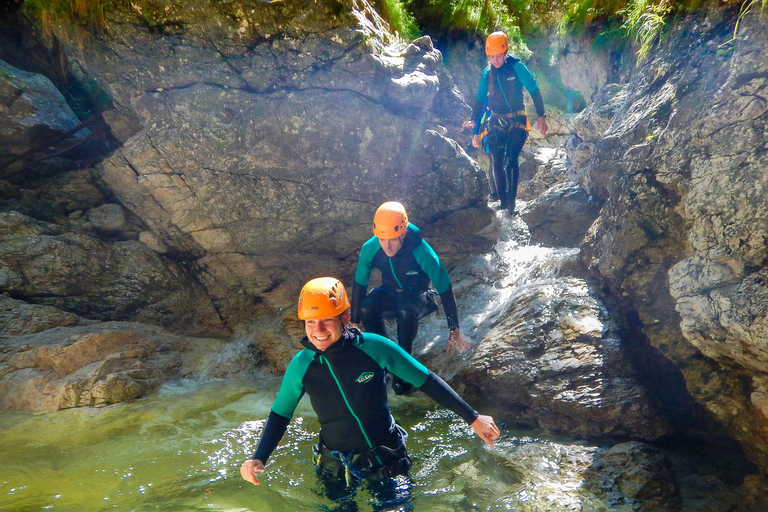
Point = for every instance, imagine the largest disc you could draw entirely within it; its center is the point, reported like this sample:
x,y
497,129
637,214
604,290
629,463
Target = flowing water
x,y
181,449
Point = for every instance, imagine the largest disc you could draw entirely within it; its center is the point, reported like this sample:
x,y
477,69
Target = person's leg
x,y
391,485
498,173
409,305
392,494
374,306
333,485
494,196
515,143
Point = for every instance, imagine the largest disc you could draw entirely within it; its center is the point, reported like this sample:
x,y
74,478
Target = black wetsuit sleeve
x,y
477,110
538,102
271,436
437,389
358,294
449,306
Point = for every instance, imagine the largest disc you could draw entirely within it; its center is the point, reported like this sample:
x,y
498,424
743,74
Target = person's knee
x,y
408,316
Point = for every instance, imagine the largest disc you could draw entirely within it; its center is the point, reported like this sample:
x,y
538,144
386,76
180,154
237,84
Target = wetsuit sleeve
x,y
358,293
449,306
431,264
482,94
362,274
439,391
273,432
526,78
365,260
391,357
291,391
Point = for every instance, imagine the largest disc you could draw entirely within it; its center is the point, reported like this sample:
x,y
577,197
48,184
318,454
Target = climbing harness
x,y
498,124
379,463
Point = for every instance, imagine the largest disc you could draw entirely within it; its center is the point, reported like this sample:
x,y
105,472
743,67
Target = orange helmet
x,y
496,44
390,220
322,297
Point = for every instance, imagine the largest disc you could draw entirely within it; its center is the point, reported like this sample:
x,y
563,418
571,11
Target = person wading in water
x,y
343,372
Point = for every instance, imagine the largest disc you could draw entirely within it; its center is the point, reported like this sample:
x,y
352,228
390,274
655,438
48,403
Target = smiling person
x,y
343,372
501,85
407,264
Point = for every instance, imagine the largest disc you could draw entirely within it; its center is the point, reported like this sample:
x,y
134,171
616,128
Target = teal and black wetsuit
x,y
404,291
346,386
502,88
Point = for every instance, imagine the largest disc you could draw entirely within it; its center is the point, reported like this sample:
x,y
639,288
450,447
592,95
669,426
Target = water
x,y
181,450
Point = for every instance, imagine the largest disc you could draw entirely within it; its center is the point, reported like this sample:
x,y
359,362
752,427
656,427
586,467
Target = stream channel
x,y
181,448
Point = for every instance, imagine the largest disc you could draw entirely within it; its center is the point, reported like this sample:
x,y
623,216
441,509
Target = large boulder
x,y
680,245
257,142
561,216
105,363
33,113
77,272
553,358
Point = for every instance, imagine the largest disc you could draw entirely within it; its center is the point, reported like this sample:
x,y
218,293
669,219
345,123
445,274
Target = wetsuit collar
x,y
348,337
412,238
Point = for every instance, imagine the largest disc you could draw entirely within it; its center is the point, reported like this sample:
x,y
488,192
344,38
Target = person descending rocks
x,y
506,128
343,372
407,265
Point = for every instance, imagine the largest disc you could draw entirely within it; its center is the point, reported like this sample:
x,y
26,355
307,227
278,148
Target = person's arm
x,y
439,391
362,274
478,107
273,432
430,263
393,358
526,78
291,391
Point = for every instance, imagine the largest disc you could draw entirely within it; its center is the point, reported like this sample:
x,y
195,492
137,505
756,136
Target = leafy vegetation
x,y
62,15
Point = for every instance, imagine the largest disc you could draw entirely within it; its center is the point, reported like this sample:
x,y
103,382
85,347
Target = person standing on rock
x,y
407,264
343,372
501,84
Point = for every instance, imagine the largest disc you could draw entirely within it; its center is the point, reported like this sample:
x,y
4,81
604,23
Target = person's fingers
x,y
248,471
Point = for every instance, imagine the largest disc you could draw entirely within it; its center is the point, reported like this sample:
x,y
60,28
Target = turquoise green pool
x,y
181,449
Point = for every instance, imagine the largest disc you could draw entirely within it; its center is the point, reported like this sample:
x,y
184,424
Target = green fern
x,y
645,22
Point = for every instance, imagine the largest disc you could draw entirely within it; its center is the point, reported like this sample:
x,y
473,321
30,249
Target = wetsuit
x,y
405,291
508,126
346,386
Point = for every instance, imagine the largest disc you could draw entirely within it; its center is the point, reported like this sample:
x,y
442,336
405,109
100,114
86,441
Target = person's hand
x,y
541,124
467,124
476,141
486,429
458,341
249,469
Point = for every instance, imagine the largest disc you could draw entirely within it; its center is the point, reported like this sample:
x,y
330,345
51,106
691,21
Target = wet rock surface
x,y
104,363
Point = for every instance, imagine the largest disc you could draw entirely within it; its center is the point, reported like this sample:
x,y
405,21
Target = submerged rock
x,y
104,364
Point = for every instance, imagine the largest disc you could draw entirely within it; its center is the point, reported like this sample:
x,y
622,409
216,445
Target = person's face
x,y
324,332
392,245
497,60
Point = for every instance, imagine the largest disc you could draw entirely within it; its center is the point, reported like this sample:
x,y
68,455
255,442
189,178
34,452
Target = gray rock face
x,y
682,236
32,111
103,364
561,216
265,138
635,475
49,265
554,358
584,69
